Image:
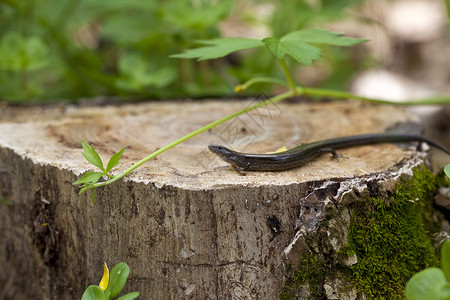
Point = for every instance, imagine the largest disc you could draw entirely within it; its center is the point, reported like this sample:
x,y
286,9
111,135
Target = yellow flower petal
x,y
105,279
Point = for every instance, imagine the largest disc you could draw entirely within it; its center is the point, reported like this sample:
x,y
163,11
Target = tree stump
x,y
189,226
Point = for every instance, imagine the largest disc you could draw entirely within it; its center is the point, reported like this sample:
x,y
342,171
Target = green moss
x,y
311,273
391,237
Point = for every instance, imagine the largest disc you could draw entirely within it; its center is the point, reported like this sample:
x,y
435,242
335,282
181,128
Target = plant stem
x,y
288,76
346,95
194,133
342,94
255,80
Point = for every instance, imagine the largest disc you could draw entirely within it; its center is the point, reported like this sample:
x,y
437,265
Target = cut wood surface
x,y
144,128
186,223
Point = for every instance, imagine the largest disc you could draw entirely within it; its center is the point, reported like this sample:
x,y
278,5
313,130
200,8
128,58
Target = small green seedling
x,y
296,44
432,283
110,285
447,170
89,179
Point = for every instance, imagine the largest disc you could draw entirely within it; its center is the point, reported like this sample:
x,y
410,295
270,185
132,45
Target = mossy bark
x,y
387,239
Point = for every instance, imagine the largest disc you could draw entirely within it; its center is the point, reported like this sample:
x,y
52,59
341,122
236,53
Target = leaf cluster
x,y
296,44
89,179
289,16
118,277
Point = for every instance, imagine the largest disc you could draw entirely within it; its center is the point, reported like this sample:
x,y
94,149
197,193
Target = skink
x,y
305,153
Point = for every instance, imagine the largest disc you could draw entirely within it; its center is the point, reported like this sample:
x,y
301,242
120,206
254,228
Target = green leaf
x,y
426,285
114,160
137,73
3,200
445,258
219,48
117,279
92,156
89,178
129,296
447,170
297,44
300,51
93,292
18,53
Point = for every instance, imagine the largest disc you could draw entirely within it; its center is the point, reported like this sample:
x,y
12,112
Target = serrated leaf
x,y
275,46
445,258
93,292
300,51
217,48
117,279
89,178
129,296
92,156
114,160
297,44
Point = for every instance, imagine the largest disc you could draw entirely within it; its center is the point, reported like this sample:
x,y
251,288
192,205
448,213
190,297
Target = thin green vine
x,y
250,82
336,94
346,95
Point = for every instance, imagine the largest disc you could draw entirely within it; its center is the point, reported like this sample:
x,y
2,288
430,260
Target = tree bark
x,y
188,225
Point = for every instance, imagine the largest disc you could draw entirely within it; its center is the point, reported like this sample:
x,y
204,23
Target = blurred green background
x,y
67,49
